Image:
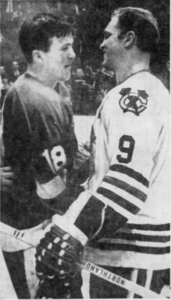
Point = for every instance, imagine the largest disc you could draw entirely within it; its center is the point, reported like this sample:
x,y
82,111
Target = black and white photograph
x,y
85,149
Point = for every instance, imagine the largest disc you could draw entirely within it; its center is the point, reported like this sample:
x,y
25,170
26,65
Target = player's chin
x,y
106,62
67,74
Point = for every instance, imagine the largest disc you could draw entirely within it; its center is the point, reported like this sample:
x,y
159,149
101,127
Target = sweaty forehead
x,y
113,25
58,43
64,39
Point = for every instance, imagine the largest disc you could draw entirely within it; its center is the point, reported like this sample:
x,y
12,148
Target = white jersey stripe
x,y
137,220
50,189
147,232
136,243
128,180
115,206
123,194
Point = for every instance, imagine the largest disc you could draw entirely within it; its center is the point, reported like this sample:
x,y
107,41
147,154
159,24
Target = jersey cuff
x,y
50,189
70,228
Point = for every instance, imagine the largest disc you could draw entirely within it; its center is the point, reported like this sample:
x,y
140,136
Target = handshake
x,y
57,256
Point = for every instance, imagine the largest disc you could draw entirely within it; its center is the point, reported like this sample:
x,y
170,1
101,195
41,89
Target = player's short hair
x,y
36,33
142,23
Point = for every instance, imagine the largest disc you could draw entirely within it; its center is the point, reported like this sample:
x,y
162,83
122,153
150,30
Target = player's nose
x,y
72,54
102,46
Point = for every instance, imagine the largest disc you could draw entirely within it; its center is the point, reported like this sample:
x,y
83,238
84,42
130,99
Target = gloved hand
x,y
54,289
57,253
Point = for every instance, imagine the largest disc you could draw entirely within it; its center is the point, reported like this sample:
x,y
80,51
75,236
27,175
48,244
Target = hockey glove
x,y
57,253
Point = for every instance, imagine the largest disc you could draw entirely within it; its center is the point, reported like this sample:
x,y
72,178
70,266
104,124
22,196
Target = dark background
x,y
89,25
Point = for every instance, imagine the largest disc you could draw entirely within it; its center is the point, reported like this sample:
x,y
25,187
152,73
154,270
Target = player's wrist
x,y
70,228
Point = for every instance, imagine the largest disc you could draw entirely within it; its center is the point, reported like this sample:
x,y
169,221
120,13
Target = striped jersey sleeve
x,y
120,196
125,137
126,188
122,191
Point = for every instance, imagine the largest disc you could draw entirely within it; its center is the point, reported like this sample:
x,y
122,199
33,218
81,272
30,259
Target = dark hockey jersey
x,y
39,145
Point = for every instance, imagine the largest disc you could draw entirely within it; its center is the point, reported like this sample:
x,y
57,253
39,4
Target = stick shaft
x,y
93,269
118,280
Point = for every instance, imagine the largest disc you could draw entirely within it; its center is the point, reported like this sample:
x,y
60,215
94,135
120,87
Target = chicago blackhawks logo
x,y
133,102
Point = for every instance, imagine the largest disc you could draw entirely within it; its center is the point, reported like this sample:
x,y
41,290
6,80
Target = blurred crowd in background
x,y
89,80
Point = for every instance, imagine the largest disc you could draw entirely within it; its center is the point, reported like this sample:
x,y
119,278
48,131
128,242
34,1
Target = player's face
x,y
59,58
112,47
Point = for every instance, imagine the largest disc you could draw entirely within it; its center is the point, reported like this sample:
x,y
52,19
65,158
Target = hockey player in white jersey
x,y
123,215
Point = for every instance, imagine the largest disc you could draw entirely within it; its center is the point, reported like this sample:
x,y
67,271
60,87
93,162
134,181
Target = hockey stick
x,y
25,238
119,281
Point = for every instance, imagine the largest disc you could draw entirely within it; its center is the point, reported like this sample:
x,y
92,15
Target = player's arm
x,y
87,217
122,191
16,132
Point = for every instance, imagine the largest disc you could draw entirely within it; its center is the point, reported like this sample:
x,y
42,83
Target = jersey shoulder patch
x,y
131,101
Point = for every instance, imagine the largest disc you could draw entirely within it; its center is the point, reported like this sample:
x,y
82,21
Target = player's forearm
x,y
114,203
89,214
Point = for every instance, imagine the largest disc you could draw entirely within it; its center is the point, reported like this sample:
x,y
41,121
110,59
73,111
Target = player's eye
x,y
65,48
107,35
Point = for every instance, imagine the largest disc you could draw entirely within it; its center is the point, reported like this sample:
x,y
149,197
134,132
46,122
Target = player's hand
x,y
6,179
57,253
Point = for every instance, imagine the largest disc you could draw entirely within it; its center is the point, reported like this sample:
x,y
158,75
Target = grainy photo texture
x,y
84,149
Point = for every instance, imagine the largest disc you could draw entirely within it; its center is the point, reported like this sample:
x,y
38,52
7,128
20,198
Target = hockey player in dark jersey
x,y
38,135
124,210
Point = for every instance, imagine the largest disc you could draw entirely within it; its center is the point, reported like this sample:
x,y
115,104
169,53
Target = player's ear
x,y
37,56
130,39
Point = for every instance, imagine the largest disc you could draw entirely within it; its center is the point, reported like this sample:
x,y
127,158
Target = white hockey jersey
x,y
125,210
